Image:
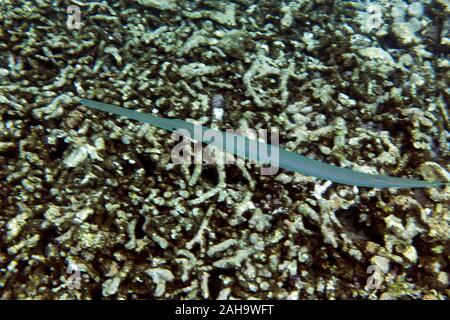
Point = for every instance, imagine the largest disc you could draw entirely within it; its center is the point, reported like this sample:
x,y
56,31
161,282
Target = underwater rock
x,y
235,43
170,5
404,32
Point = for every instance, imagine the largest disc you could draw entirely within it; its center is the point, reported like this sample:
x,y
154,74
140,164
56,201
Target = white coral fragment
x,y
54,109
160,277
197,69
80,155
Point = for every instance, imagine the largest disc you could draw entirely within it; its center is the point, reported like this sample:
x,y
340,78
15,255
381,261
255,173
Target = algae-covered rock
x,y
170,5
235,43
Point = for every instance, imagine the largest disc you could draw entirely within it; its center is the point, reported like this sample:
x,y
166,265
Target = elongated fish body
x,y
287,160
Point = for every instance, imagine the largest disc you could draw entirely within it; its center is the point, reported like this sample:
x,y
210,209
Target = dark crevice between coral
x,y
355,229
